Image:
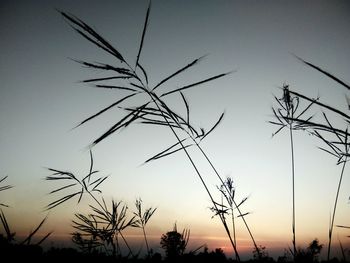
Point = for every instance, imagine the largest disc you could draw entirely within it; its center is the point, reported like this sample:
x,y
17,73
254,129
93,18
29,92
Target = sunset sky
x,y
42,100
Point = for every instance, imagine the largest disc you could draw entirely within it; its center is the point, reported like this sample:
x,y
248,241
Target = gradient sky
x,y
41,100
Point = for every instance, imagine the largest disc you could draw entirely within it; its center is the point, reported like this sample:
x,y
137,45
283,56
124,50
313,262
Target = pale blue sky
x,y
41,100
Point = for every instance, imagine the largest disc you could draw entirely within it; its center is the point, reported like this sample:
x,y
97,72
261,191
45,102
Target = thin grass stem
x,y
334,210
293,189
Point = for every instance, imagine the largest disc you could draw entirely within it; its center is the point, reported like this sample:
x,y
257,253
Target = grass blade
x,y
143,35
93,33
28,239
106,78
324,72
164,151
194,62
105,109
194,84
115,87
215,125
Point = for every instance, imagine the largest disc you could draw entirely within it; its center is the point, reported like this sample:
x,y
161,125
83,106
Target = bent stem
x,y
199,175
234,202
334,210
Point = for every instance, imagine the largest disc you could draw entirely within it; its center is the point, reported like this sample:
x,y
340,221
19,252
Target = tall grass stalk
x,y
333,137
227,208
335,208
286,111
146,113
293,187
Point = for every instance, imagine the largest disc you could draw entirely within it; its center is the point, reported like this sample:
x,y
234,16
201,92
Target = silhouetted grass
x,y
155,111
334,138
285,113
102,227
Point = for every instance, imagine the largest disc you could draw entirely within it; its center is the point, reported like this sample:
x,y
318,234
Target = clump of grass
x,y
334,138
132,79
9,235
227,206
104,225
142,220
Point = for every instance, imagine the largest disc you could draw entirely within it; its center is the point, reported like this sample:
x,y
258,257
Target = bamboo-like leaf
x,y
143,35
115,87
321,104
240,203
65,175
124,71
93,33
195,84
29,237
173,151
325,72
100,182
92,40
215,125
317,126
106,78
165,151
61,188
194,62
105,109
242,215
61,200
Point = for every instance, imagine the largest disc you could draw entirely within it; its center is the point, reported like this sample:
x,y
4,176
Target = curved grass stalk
x,y
334,210
161,108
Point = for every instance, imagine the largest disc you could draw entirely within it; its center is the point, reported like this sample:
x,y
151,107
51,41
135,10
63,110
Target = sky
x,y
42,100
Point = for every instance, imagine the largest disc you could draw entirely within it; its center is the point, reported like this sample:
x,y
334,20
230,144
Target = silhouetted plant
x,y
335,138
285,114
311,253
175,243
142,219
100,228
133,80
227,205
9,235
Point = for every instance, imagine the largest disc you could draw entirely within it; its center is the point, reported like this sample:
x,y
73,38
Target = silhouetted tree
x,y
174,243
310,254
314,249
